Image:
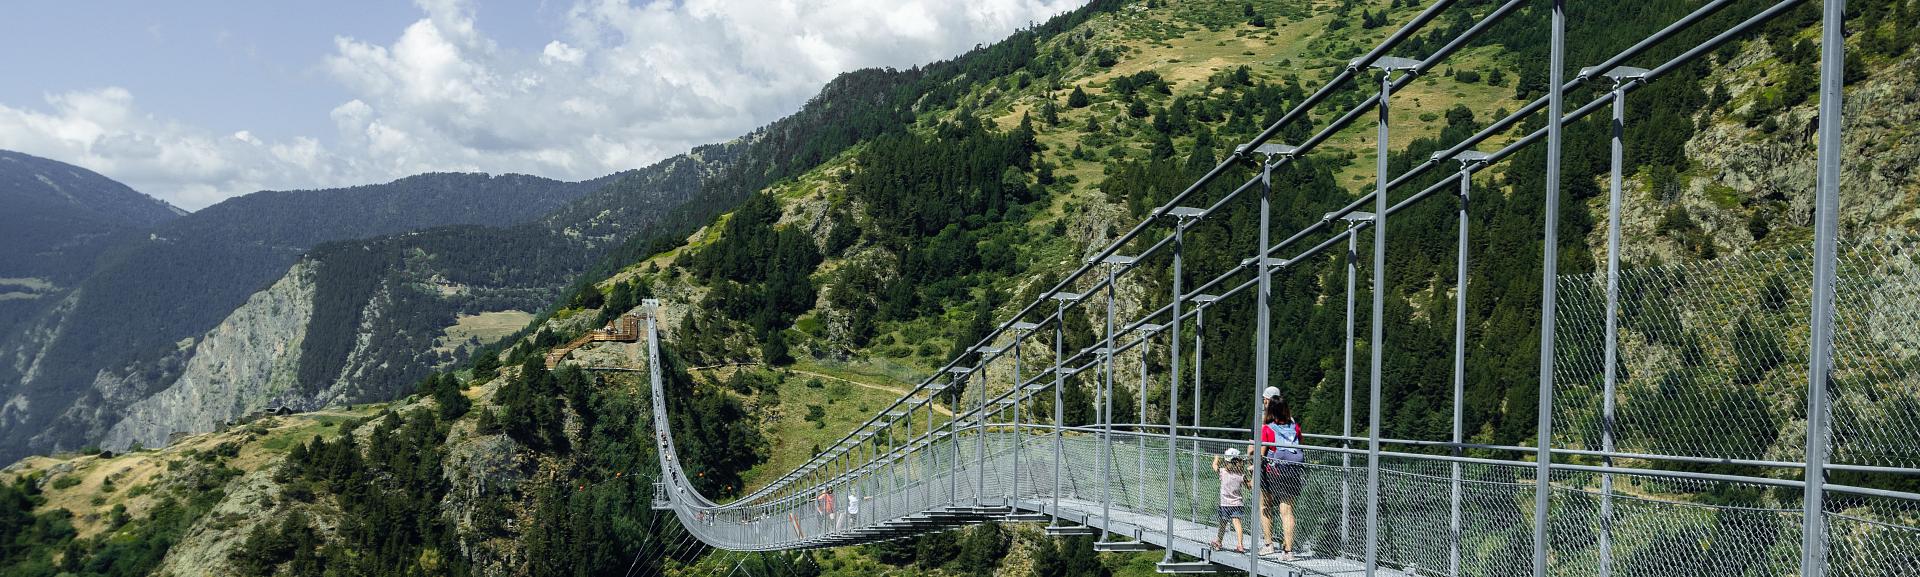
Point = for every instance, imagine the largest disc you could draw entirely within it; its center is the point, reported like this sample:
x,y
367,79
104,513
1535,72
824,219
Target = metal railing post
x,y
953,436
1387,65
1059,382
1549,271
1610,380
905,461
980,420
1813,548
1193,466
1106,411
927,456
1140,438
1346,395
1468,161
1173,379
1021,330
1201,302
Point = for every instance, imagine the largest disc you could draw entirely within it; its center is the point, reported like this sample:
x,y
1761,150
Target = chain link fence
x,y
1712,358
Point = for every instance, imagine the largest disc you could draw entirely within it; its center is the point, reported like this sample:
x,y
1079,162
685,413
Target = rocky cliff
x,y
245,364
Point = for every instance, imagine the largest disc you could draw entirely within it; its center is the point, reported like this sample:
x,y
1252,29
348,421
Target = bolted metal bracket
x,y
1467,158
1388,63
1272,150
1619,74
1185,213
1353,217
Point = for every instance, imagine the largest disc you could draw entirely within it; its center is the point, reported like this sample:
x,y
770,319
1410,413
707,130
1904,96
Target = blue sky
x,y
195,101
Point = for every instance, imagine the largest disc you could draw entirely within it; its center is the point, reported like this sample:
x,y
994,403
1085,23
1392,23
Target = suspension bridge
x,y
1589,497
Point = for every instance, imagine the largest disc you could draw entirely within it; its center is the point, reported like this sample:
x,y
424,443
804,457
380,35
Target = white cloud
x,y
560,52
622,85
191,167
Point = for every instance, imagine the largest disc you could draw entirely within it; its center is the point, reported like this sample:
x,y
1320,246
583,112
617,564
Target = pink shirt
x,y
1231,479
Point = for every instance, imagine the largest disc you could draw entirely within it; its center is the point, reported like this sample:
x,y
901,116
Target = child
x,y
1233,477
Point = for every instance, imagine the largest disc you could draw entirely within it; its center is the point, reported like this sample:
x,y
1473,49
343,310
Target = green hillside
x,y
967,188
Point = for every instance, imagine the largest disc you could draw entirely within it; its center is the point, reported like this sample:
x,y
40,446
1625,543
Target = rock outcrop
x,y
247,363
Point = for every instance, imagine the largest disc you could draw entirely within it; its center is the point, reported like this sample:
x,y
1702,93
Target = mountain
x,y
59,189
122,330
887,225
387,310
55,218
306,218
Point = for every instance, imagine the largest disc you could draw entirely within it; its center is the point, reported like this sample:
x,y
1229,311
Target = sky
x,y
196,101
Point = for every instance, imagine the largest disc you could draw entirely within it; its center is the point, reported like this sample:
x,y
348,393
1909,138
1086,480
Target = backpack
x,y
1288,439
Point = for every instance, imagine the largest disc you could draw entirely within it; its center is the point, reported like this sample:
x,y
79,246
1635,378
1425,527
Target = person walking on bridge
x,y
824,506
1233,478
1284,473
853,506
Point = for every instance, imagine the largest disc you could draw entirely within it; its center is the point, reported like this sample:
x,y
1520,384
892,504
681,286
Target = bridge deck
x,y
1137,480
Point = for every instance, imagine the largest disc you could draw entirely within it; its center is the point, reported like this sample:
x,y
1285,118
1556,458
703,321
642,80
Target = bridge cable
x,y
653,521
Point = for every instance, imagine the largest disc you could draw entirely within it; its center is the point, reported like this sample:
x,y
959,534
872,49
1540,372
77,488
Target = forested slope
x,y
959,191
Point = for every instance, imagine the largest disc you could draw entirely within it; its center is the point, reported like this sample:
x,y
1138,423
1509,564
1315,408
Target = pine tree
x,y
1078,98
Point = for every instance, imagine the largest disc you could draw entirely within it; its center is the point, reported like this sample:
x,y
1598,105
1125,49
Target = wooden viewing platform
x,y
626,330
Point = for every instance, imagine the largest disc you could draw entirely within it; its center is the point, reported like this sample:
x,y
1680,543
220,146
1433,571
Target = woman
x,y
1283,473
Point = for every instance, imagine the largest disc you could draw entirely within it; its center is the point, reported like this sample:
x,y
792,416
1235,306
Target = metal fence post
x,y
1201,302
1140,438
1549,265
1173,380
1182,216
1468,160
928,455
1346,396
1610,371
1387,65
1059,382
1106,408
1199,344
953,435
1813,548
1021,330
980,420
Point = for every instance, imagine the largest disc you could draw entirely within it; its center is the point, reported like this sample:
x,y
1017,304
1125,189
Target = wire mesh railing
x,y
1712,358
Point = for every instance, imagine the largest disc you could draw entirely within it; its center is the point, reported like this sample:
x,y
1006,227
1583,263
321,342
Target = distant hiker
x,y
1282,475
853,506
824,506
1233,477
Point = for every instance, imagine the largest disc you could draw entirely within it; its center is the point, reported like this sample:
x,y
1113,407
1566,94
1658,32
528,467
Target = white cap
x,y
1233,453
1271,393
